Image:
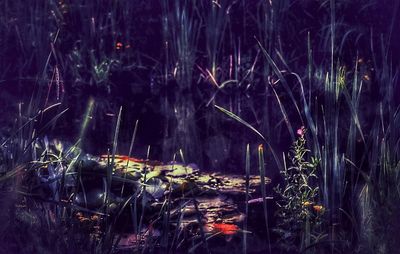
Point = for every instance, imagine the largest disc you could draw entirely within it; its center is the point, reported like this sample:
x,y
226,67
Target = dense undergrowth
x,y
200,80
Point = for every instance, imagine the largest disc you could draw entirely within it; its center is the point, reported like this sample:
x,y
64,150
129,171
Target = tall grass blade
x,y
30,121
110,166
86,120
282,79
247,168
261,167
240,120
285,115
129,153
144,193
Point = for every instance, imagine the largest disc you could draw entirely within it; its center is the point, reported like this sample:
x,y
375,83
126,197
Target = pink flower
x,y
301,131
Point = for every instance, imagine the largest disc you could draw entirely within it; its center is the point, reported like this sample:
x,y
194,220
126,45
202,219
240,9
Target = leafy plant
x,y
299,213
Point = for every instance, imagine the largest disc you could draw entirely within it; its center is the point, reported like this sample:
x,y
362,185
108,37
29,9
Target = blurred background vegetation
x,y
329,65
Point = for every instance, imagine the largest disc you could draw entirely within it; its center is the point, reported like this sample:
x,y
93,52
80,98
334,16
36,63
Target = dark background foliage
x,y
167,63
138,75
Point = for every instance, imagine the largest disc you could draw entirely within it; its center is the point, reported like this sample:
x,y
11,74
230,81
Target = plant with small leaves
x,y
299,214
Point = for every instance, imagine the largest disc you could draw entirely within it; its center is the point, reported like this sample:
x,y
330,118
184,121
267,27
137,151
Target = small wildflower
x,y
301,131
307,203
319,208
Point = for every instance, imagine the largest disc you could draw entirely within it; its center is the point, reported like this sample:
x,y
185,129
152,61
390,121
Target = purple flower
x,y
301,131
